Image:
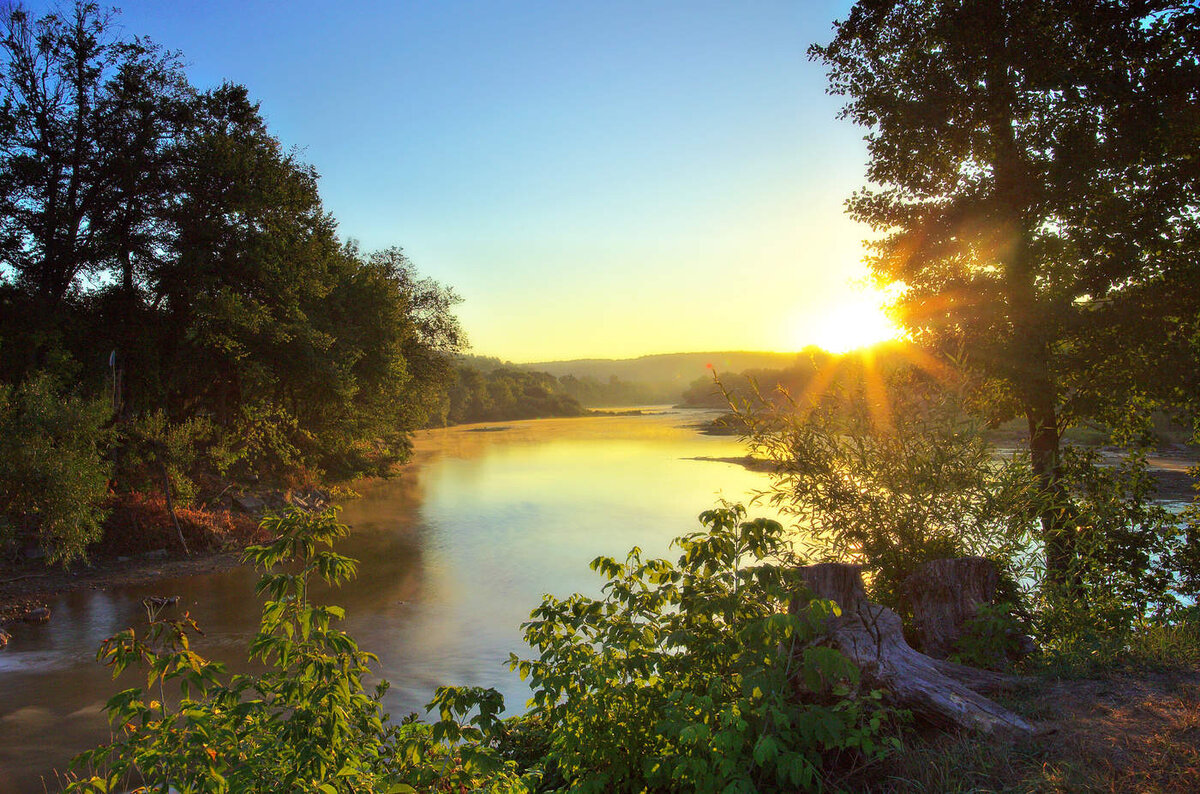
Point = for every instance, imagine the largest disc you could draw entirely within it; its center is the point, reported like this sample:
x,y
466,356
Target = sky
x,y
595,179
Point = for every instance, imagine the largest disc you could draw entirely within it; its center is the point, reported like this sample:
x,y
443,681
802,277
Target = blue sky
x,y
594,178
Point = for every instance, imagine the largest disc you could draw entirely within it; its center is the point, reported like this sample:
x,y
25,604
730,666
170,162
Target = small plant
x,y
688,677
53,482
892,476
307,724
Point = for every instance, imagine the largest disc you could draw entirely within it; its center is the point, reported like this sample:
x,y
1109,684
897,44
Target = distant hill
x,y
674,370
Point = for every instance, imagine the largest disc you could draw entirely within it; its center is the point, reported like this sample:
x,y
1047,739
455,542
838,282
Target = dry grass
x,y
1124,734
140,522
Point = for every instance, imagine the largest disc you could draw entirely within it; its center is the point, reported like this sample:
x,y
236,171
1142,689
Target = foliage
x,y
153,444
140,521
742,387
675,679
53,481
894,476
158,240
990,639
615,392
688,677
1131,572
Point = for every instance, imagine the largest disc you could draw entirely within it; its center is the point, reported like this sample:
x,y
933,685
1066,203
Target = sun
x,y
849,323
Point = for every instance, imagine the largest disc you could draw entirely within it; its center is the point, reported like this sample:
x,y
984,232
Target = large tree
x,y
1034,184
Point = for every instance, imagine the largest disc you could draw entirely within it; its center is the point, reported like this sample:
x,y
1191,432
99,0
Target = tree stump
x,y
944,595
870,635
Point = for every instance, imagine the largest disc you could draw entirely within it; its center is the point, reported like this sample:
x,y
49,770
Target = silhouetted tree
x,y
1035,185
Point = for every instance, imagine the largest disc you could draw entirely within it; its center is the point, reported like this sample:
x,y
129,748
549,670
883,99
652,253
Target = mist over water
x,y
454,553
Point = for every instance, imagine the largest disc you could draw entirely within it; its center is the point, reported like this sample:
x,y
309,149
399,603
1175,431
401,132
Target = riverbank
x,y
25,593
143,544
1171,469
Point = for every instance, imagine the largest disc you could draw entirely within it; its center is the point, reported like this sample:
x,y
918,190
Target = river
x,y
454,553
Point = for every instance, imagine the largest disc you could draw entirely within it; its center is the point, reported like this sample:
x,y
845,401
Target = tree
x,y
85,119
1034,185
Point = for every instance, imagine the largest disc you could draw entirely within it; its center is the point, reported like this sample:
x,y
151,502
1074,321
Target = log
x,y
944,596
872,636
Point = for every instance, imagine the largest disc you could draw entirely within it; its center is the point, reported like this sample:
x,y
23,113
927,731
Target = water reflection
x,y
454,554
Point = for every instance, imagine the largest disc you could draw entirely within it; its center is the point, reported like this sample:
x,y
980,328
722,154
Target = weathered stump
x,y
944,596
872,636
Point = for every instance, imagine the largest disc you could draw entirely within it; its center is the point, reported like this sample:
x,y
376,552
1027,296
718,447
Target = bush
x,y
154,445
696,676
898,474
308,723
53,482
892,478
1127,579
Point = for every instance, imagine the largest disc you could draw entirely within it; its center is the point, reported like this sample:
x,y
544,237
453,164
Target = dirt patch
x,y
1124,733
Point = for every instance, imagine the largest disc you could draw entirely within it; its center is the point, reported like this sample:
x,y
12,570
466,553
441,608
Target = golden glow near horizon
x,y
855,321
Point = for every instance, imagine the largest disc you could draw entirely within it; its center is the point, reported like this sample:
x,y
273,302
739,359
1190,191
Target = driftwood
x,y
944,596
870,635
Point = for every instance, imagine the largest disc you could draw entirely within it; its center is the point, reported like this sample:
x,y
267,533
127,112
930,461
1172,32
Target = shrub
x,y
308,723
696,676
1127,578
891,477
894,477
687,677
53,481
154,445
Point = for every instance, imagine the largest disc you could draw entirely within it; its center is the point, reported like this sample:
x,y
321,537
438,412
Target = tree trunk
x,y
1030,368
944,595
942,693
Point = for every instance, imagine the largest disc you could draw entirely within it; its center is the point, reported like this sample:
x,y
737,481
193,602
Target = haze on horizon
x,y
595,179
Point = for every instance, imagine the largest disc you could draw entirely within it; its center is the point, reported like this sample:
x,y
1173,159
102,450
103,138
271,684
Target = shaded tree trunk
x,y
1030,370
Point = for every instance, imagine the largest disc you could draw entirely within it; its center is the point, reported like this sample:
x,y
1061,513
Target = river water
x,y
454,553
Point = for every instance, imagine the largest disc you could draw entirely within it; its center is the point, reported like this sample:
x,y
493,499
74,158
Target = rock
x,y
37,615
249,504
157,554
872,636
